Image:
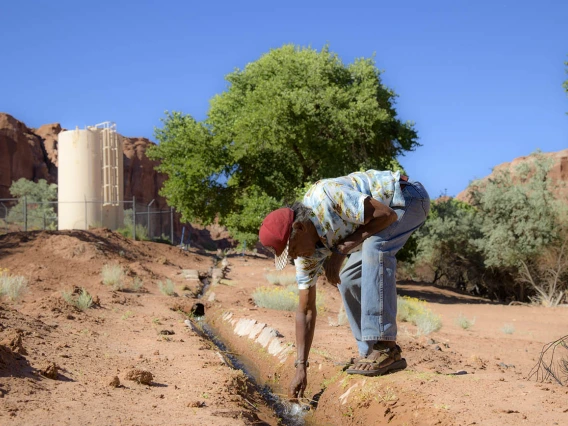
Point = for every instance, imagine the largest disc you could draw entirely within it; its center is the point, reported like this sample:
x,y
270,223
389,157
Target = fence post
x,y
134,218
172,225
25,213
148,220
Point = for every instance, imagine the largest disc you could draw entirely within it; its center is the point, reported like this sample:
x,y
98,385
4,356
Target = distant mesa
x,y
558,172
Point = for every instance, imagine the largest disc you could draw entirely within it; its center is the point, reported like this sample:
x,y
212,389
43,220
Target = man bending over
x,y
366,217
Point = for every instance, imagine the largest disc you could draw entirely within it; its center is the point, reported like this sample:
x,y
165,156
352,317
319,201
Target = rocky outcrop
x,y
48,134
21,155
558,172
141,180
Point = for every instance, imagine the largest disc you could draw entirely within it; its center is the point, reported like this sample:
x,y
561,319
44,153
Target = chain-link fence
x,y
132,219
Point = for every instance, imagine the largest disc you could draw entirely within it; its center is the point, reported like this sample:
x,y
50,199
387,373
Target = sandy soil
x,y
132,360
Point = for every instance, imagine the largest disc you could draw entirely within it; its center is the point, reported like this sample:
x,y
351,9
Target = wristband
x,y
299,362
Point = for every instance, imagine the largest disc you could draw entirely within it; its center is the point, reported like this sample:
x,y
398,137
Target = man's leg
x,y
368,285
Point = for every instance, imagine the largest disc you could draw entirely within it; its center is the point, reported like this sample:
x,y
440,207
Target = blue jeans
x,y
368,282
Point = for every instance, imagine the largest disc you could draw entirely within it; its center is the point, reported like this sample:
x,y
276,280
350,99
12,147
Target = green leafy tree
x,y
523,223
294,116
40,214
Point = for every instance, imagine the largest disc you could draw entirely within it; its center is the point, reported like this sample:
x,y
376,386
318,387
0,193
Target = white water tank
x,y
90,178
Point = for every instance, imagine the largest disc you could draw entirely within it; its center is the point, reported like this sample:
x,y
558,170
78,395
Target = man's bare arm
x,y
305,326
378,217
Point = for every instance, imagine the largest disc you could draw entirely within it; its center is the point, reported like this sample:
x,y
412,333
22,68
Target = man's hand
x,y
299,383
332,267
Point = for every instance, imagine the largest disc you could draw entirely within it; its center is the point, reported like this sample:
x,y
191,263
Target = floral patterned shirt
x,y
338,210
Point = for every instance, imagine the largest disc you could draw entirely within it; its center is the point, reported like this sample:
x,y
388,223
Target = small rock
x,y
51,371
14,342
437,348
446,346
140,376
196,404
459,373
156,352
431,342
167,332
114,382
70,317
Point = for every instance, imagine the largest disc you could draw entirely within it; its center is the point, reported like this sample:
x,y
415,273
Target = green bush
x,y
82,302
415,311
39,214
126,230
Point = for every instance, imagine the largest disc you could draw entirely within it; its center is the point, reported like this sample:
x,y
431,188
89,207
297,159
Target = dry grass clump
x,y
137,284
113,276
82,302
12,286
464,322
167,288
415,311
284,279
508,328
281,299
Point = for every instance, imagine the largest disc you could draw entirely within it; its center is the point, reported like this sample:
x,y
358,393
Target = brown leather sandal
x,y
381,361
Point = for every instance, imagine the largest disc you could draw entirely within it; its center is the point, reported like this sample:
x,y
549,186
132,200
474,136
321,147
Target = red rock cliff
x,y
22,155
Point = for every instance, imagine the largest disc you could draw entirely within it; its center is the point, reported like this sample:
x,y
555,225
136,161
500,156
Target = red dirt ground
x,y
91,355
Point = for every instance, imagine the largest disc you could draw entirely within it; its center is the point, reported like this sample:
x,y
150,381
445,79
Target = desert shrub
x,y
508,328
113,276
282,298
128,226
463,322
281,278
427,322
12,286
415,311
82,302
137,284
167,288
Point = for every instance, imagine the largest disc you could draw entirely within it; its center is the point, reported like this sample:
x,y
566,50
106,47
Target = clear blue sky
x,y
481,79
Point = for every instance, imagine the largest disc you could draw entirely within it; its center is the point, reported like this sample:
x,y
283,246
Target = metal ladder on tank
x,y
110,161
